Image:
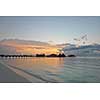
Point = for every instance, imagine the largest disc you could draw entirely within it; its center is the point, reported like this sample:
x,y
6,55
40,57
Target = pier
x,y
16,56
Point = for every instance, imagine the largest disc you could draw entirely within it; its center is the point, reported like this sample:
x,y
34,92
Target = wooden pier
x,y
16,56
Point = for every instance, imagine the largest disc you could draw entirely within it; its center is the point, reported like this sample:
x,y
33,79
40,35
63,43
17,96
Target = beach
x,y
12,74
8,76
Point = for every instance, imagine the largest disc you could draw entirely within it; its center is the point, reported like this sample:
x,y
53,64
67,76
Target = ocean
x,y
57,70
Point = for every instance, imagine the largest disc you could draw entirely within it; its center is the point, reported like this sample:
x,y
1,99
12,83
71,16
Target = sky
x,y
58,29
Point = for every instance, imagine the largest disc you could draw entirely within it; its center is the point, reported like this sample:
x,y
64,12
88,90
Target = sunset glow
x,y
50,49
32,49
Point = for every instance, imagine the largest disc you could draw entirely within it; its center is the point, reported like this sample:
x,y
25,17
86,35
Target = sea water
x,y
65,70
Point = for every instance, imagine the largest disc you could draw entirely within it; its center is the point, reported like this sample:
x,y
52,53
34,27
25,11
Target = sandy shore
x,y
12,74
8,76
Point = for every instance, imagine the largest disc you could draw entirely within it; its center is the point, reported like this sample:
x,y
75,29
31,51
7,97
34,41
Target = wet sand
x,y
8,76
12,74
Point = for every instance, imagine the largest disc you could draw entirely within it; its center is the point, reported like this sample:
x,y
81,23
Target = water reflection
x,y
47,68
36,62
60,69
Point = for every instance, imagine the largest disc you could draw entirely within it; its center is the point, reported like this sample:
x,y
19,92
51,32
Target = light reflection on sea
x,y
71,70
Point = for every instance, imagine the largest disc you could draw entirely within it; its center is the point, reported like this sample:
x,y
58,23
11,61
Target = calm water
x,y
72,70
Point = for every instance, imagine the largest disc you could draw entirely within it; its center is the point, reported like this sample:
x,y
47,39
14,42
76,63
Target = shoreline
x,y
37,55
9,76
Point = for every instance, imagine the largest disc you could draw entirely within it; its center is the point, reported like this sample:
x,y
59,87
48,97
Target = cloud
x,y
27,47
